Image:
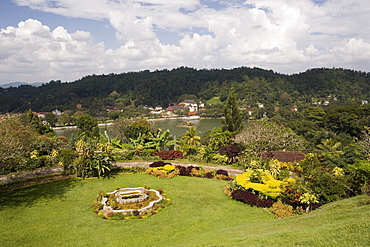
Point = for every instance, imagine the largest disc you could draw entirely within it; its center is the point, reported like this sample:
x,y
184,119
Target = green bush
x,y
282,210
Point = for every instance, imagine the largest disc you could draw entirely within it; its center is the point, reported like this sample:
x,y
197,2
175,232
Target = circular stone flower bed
x,y
128,203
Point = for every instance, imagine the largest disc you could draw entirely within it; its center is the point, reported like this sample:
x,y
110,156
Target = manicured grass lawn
x,y
58,214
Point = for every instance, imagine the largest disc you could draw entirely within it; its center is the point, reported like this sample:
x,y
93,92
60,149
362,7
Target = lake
x,y
203,125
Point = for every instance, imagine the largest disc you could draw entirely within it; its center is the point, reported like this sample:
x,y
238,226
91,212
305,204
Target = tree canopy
x,y
253,85
233,117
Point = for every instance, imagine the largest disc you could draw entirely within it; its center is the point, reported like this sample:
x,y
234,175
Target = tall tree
x,y
33,120
87,124
365,142
259,136
233,117
51,118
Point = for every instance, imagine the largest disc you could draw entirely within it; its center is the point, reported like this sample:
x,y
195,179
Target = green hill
x,y
163,87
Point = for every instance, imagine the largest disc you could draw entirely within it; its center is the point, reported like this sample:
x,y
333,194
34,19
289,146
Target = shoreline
x,y
152,119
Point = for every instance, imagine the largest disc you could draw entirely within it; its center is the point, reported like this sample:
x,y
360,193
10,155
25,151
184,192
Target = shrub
x,y
260,181
170,155
282,210
159,164
197,172
251,199
186,171
222,172
231,151
157,173
166,168
182,170
222,177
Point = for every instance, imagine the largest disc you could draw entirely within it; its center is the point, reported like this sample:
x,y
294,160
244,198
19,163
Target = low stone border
x,y
31,174
108,209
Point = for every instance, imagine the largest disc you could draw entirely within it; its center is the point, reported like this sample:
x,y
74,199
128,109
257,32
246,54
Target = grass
x,y
58,214
214,101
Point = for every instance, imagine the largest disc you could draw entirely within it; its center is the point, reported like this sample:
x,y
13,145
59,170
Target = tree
x,y
33,120
64,118
50,118
118,129
16,143
217,138
329,153
22,148
233,117
114,114
87,125
142,127
190,141
231,151
365,142
259,136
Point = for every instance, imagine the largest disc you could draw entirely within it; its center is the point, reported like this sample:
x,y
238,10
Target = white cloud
x,y
284,35
34,53
353,50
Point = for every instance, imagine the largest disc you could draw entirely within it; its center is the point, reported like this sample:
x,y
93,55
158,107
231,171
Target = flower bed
x,y
129,203
167,170
170,155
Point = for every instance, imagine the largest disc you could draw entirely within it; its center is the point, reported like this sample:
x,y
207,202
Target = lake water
x,y
203,125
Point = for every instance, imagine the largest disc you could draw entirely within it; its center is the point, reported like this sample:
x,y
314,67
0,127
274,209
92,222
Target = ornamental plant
x,y
170,155
95,158
231,151
166,170
251,199
261,182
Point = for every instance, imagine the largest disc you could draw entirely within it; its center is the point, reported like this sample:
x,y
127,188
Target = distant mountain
x,y
16,84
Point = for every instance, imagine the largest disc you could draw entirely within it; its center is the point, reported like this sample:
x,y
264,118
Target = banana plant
x,y
161,140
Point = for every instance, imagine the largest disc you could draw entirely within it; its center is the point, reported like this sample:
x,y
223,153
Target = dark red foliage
x,y
208,175
231,150
316,205
189,168
182,170
251,199
159,164
169,155
222,172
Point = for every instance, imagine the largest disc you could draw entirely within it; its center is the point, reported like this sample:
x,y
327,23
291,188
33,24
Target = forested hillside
x,y
253,85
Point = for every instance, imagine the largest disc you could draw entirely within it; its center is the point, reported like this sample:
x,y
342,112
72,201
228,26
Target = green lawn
x,y
58,214
214,101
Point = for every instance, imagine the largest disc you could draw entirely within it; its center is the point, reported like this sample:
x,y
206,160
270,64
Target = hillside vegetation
x,y
253,85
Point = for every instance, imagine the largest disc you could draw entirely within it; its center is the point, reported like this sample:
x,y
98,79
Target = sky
x,y
44,40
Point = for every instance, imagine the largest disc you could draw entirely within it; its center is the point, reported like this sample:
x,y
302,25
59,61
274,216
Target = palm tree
x,y
329,153
190,141
329,145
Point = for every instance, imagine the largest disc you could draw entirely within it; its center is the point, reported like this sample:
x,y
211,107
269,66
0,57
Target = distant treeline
x,y
252,85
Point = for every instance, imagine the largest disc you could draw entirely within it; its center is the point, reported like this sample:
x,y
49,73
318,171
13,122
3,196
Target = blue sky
x,y
43,40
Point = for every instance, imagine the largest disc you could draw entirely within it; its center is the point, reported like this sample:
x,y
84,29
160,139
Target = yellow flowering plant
x,y
260,181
